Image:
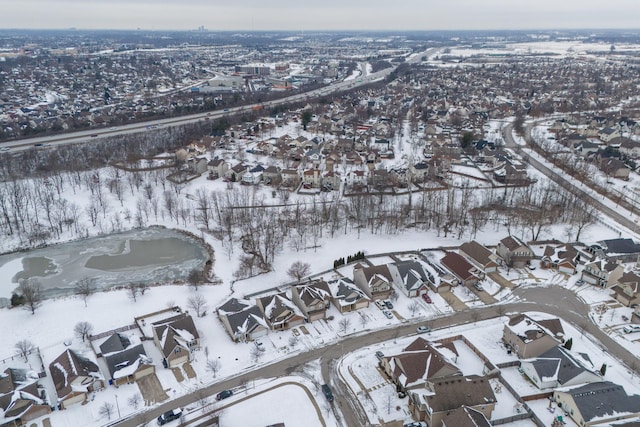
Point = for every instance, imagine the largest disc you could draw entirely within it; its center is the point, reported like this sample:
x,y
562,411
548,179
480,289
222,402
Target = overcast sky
x,y
320,14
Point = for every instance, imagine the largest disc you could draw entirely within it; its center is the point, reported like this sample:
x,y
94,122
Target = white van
x,y
631,328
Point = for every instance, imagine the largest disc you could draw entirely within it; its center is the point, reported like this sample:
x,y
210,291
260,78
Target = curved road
x,y
555,301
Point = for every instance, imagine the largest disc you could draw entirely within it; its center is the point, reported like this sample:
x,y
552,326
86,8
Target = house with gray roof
x,y
346,296
20,400
465,416
558,367
176,338
313,298
597,403
125,358
280,312
532,338
411,277
243,320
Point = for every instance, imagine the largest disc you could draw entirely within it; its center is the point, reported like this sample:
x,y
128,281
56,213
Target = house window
x,y
177,350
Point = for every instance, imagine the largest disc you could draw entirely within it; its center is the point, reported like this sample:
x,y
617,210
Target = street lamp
x,y
117,406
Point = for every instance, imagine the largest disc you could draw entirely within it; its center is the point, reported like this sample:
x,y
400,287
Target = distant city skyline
x,y
326,15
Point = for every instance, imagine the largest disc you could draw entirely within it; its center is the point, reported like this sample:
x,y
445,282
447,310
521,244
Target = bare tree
x,y
298,270
133,291
198,303
23,348
31,291
83,330
134,401
344,324
106,410
213,366
414,307
195,278
85,287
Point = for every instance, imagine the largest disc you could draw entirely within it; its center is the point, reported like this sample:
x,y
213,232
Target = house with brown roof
x,y
465,416
531,338
418,363
562,258
20,399
480,256
217,168
448,394
461,269
74,377
627,289
374,281
603,273
176,337
280,312
313,298
515,252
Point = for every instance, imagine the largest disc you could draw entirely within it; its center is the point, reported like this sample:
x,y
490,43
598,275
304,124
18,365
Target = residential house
x,y
374,281
236,173
176,338
603,273
623,250
558,367
125,358
410,277
530,338
313,298
197,165
515,252
627,289
481,257
346,296
562,258
271,175
607,134
461,269
290,178
331,181
253,176
448,394
597,403
280,312
74,377
419,363
217,168
356,178
243,320
465,416
20,398
615,168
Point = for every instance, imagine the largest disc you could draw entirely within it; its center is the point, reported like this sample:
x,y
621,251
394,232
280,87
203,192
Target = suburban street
x,y
555,301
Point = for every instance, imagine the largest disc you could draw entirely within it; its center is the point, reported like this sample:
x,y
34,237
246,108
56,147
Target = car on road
x,y
328,394
388,304
39,144
169,416
224,394
423,329
380,304
5,149
427,298
387,314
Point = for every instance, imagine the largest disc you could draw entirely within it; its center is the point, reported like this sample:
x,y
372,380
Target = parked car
x,y
388,304
259,344
379,355
380,304
169,416
327,392
580,282
224,394
387,314
423,329
478,287
427,298
416,424
631,328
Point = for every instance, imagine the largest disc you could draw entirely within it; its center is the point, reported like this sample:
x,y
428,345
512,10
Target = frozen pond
x,y
150,255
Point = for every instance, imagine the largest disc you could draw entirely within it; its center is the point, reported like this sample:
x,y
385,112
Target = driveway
x,y
500,280
151,389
